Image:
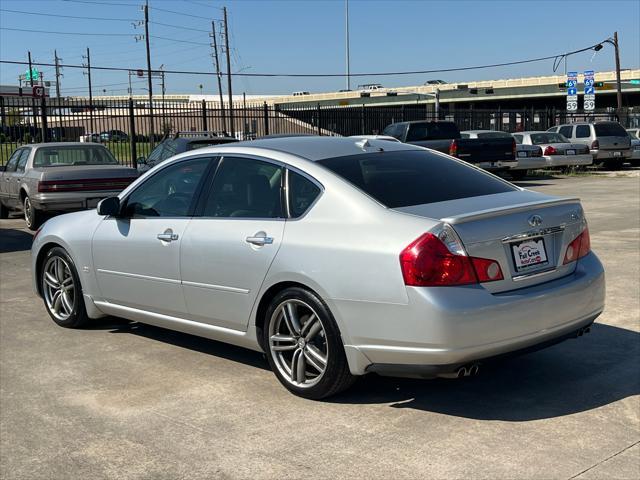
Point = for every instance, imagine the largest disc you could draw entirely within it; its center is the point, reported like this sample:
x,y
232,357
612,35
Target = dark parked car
x,y
180,143
494,154
114,136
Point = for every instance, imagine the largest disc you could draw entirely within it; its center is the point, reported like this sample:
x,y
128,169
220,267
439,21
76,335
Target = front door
x,y
136,256
228,248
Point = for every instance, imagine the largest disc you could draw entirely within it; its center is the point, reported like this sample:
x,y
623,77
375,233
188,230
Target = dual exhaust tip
x,y
583,331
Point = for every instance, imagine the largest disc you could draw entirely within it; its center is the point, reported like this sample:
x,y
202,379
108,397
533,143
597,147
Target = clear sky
x,y
308,36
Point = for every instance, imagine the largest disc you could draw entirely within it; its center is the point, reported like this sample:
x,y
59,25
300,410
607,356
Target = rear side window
x,y
566,131
518,138
22,162
583,131
302,193
610,130
394,131
402,179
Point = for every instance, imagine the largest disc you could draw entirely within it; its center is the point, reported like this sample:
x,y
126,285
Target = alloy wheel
x,y
298,343
59,288
28,212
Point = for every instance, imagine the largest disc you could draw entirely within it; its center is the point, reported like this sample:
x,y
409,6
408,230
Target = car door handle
x,y
168,236
260,240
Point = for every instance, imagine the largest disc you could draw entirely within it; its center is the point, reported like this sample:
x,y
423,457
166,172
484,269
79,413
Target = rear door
x,y
228,248
137,255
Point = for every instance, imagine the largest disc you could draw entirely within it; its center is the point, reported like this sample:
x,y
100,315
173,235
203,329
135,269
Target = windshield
x,y
405,178
494,135
73,155
432,131
544,138
610,130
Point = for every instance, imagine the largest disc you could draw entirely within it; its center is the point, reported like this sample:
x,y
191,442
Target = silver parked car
x,y
608,141
334,256
529,157
556,149
59,177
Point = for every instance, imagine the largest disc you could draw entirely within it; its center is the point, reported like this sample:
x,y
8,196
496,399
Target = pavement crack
x,y
604,460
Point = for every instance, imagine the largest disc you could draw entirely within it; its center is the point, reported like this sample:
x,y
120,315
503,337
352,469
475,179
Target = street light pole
x,y
618,83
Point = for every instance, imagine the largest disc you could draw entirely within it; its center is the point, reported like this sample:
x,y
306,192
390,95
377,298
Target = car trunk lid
x,y
527,233
86,178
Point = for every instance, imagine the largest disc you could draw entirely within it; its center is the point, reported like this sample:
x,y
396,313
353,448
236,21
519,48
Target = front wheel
x,y
518,174
304,347
61,290
32,216
4,211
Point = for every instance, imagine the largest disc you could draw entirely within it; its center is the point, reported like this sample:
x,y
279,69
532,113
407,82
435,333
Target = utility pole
x,y
230,93
88,73
149,82
58,73
346,21
218,74
618,83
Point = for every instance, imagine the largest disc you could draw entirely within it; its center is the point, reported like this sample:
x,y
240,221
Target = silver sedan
x,y
556,149
335,256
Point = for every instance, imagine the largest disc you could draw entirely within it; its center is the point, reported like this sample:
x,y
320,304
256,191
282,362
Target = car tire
x,y
304,346
518,174
61,289
32,216
4,211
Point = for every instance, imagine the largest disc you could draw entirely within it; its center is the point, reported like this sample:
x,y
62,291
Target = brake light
x,y
89,184
595,145
578,248
550,150
453,148
430,262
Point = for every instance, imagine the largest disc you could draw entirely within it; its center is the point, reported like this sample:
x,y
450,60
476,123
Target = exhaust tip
x,y
462,372
474,370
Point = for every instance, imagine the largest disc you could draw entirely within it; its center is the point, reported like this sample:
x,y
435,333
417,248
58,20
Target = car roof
x,y
316,148
486,131
64,144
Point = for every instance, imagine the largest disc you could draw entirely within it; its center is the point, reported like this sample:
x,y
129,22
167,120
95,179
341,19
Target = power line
x,y
177,13
103,3
70,16
181,27
68,33
327,75
178,40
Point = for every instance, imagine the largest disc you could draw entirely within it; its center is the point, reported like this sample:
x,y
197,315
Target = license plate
x,y
616,154
522,154
93,202
529,253
571,152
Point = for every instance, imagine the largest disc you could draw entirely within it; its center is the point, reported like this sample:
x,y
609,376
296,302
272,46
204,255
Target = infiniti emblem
x,y
535,220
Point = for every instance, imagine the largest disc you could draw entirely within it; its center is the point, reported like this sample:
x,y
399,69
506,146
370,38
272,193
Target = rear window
x,y
432,131
203,143
73,155
494,135
402,179
542,138
610,130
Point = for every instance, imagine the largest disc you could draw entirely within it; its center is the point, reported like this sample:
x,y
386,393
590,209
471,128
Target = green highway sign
x,y
32,74
634,82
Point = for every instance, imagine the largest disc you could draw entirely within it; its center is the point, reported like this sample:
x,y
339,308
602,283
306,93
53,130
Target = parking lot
x,y
125,400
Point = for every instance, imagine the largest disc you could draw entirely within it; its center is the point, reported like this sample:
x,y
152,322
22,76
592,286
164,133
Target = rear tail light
x,y
89,184
578,248
550,150
453,148
440,260
595,145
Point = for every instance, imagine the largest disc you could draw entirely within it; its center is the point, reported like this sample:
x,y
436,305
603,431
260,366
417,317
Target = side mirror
x,y
3,168
141,161
109,206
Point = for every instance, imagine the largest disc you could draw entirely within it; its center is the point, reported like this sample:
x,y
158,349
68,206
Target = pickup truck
x,y
493,154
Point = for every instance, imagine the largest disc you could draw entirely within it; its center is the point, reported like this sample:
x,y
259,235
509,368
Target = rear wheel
x,y
304,347
4,211
32,216
61,289
518,174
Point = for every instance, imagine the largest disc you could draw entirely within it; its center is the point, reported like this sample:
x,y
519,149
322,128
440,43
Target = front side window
x,y
244,187
583,131
169,150
302,193
170,192
73,156
405,178
156,154
566,131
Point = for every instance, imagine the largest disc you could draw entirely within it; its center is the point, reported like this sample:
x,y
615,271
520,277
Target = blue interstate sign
x,y
589,90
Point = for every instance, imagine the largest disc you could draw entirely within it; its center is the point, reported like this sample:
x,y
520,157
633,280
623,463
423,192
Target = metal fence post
x,y
204,116
362,132
3,115
266,118
319,127
132,135
43,118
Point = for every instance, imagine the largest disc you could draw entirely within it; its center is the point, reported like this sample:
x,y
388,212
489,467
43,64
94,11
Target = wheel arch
x,y
42,254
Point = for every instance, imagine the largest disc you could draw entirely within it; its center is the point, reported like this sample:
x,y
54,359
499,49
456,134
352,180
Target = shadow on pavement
x,y
576,375
13,240
183,340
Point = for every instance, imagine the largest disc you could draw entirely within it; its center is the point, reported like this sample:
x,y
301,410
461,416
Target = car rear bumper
x,y
609,155
568,160
69,202
530,163
445,327
497,166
